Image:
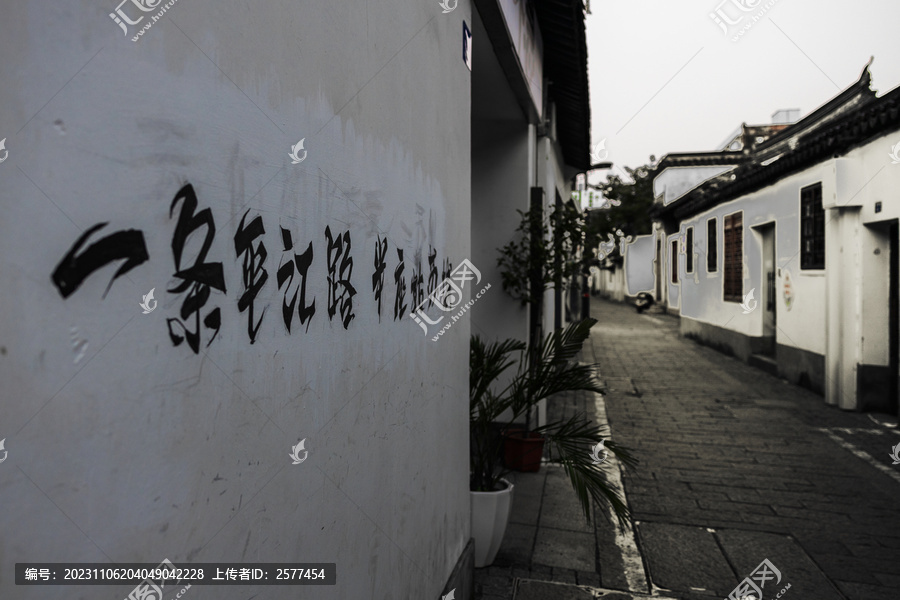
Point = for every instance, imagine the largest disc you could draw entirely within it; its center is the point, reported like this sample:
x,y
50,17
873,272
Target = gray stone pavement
x,y
736,467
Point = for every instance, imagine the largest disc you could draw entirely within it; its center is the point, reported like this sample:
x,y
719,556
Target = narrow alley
x,y
736,467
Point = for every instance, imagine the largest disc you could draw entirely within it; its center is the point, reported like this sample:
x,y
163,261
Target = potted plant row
x,y
539,373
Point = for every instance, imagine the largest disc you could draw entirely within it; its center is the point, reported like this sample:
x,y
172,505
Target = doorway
x,y
769,291
660,267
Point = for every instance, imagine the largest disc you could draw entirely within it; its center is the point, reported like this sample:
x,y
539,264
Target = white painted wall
x,y
843,307
639,265
136,450
702,293
882,182
859,288
882,176
840,312
501,180
499,188
611,283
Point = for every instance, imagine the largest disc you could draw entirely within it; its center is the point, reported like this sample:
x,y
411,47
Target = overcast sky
x,y
664,77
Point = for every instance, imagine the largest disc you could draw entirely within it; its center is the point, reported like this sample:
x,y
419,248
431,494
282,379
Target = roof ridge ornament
x,y
866,76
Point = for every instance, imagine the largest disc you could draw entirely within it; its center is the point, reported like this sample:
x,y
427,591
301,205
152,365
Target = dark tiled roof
x,y
851,119
752,136
700,159
565,67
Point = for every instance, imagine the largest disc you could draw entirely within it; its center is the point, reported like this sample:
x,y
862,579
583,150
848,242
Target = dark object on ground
x,y
643,302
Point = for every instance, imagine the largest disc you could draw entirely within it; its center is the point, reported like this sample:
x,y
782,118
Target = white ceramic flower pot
x,y
490,515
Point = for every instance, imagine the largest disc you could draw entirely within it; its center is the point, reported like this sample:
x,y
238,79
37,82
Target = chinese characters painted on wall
x,y
199,278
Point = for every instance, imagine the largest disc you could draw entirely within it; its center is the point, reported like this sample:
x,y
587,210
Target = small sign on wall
x,y
788,290
467,46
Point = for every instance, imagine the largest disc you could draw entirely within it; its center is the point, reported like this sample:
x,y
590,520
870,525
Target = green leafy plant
x,y
543,252
549,370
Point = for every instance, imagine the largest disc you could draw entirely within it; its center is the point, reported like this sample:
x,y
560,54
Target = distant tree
x,y
631,216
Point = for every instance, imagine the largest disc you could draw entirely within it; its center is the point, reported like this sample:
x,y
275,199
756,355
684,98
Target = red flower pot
x,y
521,452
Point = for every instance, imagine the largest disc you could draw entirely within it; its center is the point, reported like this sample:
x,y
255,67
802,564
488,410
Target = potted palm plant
x,y
543,254
538,375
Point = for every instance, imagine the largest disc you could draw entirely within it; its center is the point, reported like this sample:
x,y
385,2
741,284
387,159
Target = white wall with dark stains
x,y
841,311
702,291
126,445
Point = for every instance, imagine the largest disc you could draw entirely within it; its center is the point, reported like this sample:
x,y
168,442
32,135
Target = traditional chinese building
x,y
781,248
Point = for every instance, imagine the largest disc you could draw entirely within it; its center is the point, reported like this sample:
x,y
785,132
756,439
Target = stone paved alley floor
x,y
736,467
